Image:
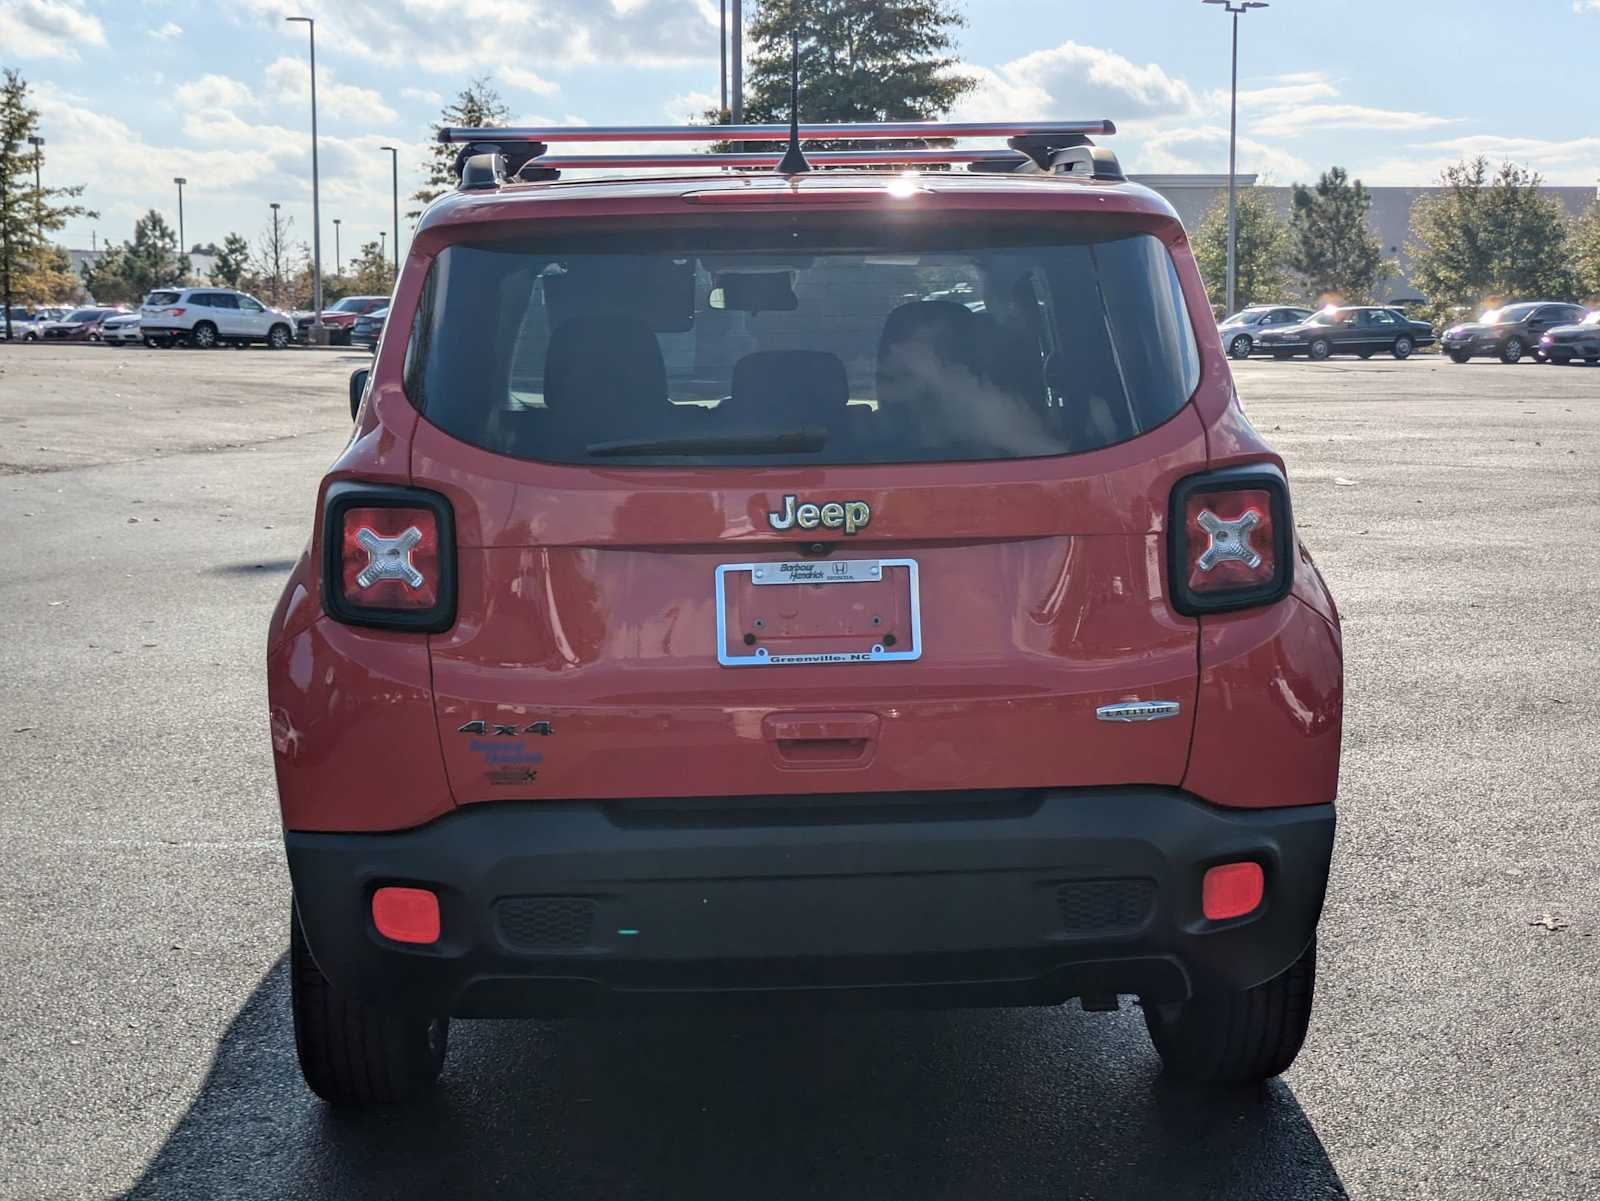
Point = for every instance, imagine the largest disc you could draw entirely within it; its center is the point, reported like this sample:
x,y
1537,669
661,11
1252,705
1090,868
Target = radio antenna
x,y
794,159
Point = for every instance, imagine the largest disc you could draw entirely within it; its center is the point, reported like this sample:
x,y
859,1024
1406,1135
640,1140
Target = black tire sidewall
x,y
1327,349
1402,348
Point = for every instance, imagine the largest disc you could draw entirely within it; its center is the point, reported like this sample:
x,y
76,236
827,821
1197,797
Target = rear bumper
x,y
968,898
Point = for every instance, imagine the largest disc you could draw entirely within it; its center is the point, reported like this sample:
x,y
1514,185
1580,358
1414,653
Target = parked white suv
x,y
207,317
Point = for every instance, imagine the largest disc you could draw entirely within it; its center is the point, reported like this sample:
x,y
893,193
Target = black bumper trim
x,y
941,899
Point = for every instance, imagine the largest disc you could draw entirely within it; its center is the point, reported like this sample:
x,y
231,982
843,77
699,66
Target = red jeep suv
x,y
833,588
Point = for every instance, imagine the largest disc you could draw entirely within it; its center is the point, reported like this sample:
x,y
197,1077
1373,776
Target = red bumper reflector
x,y
1231,890
406,914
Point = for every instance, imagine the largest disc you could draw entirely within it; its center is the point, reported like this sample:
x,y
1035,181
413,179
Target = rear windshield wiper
x,y
755,442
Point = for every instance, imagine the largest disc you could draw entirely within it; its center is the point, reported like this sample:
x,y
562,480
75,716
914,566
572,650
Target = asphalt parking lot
x,y
151,502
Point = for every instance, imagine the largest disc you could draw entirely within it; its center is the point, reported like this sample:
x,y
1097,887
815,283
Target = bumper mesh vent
x,y
1104,906
546,923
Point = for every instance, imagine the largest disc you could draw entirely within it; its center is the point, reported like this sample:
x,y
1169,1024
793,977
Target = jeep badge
x,y
850,515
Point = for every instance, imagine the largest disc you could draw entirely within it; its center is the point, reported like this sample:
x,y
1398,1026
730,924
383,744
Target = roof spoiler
x,y
492,156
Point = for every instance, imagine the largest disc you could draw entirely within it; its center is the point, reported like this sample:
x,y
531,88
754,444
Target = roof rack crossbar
x,y
821,158
810,131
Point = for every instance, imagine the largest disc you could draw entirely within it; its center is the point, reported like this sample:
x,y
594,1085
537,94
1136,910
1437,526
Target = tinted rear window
x,y
906,343
156,298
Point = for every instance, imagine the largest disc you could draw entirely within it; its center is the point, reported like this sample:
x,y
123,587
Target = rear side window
x,y
832,345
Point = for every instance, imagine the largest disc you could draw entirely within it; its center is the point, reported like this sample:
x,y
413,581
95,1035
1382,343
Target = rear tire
x,y
1457,356
1402,348
1237,1037
351,1054
1511,352
1239,347
1320,349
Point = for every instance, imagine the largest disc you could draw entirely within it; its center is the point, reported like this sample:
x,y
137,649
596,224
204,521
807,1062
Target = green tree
x,y
1489,235
126,272
860,60
372,271
1583,236
47,278
27,212
1331,244
233,261
478,104
1261,248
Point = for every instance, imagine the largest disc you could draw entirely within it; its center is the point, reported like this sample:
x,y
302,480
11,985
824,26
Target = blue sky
x,y
134,94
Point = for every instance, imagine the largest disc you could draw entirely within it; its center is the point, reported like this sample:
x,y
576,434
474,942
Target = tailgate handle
x,y
805,738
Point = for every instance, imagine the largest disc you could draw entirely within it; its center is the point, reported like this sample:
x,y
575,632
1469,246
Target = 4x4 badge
x,y
848,515
506,731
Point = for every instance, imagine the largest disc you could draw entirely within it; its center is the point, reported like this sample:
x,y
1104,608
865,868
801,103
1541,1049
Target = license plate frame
x,y
832,573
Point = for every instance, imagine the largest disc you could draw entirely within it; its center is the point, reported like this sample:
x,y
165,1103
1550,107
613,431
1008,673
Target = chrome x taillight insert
x,y
1230,540
389,558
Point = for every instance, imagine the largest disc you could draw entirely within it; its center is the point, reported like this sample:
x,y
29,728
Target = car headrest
x,y
922,344
794,385
603,364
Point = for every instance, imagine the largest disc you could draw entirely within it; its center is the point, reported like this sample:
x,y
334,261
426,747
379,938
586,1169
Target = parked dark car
x,y
1510,332
1361,330
340,318
80,325
1240,331
1569,343
368,328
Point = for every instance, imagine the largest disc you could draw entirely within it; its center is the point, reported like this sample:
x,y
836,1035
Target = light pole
x,y
277,248
183,253
338,260
319,333
1233,139
394,166
722,106
38,188
736,113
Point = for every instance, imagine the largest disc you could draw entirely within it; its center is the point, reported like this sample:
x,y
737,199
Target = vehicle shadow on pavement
x,y
1000,1103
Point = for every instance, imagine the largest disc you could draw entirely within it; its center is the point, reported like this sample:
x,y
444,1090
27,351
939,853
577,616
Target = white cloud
x,y
425,95
1205,149
48,28
1086,81
689,107
170,32
1286,90
1586,6
1571,161
528,81
478,36
234,168
289,80
215,92
1321,117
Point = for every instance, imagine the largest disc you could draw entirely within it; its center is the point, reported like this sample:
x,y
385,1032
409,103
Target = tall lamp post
x,y
277,253
1233,141
736,102
394,179
338,260
319,333
38,188
183,253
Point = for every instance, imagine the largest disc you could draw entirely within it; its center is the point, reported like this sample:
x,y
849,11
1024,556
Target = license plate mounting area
x,y
818,611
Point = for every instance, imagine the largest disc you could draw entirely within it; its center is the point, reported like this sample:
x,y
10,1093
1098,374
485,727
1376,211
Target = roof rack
x,y
492,156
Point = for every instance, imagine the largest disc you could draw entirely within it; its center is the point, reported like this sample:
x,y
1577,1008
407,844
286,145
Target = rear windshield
x,y
156,298
888,344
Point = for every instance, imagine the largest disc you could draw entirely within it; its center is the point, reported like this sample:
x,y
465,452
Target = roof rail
x,y
491,156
